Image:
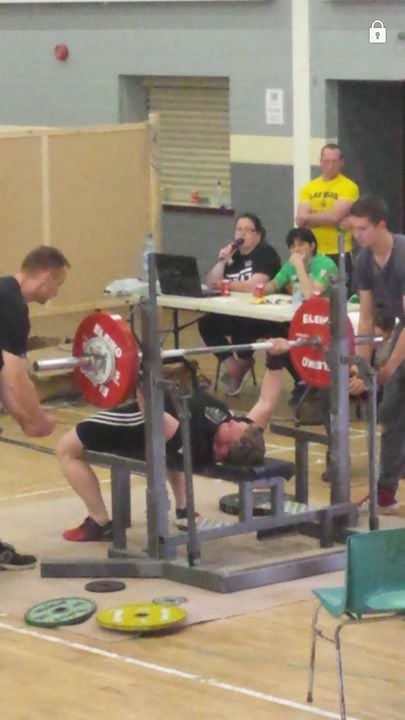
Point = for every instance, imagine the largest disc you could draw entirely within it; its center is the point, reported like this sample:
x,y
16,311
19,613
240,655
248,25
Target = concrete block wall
x,y
248,42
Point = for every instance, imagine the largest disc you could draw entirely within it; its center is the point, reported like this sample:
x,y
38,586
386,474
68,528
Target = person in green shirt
x,y
308,274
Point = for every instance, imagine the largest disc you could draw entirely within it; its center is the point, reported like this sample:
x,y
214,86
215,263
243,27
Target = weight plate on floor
x,y
105,586
60,611
141,617
170,600
261,503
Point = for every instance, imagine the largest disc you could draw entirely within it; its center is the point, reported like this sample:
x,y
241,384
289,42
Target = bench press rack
x,y
159,559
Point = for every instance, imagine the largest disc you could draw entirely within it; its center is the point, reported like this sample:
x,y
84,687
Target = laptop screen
x,y
178,275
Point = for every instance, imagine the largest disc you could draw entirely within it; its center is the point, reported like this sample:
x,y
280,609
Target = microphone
x,y
234,246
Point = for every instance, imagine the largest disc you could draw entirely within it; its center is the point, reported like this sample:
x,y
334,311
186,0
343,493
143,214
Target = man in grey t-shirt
x,y
380,279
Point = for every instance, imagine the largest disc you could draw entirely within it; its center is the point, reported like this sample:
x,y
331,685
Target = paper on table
x,y
279,299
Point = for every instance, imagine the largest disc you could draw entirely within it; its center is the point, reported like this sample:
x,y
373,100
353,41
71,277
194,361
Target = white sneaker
x,y
392,509
201,523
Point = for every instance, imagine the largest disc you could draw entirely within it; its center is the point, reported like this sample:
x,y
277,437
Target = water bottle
x,y
296,296
148,247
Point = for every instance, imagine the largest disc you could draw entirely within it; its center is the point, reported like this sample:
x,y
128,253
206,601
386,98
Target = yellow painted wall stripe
x,y
270,149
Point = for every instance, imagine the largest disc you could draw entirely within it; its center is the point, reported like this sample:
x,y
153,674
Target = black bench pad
x,y
272,467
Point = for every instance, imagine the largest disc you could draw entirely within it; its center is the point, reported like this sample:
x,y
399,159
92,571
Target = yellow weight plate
x,y
141,617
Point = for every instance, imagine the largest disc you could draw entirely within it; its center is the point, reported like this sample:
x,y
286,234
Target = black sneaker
x,y
12,560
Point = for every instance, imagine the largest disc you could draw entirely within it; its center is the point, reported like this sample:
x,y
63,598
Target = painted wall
x,y
250,43
340,49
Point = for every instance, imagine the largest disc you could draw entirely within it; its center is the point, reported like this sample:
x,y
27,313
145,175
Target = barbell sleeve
x,y
65,363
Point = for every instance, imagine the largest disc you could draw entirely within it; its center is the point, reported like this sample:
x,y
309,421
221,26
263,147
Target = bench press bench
x,y
158,555
269,476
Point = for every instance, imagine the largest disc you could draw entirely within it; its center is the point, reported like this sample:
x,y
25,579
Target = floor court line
x,y
166,670
46,491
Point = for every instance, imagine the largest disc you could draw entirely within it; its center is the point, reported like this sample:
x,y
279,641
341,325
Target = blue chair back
x,y
375,564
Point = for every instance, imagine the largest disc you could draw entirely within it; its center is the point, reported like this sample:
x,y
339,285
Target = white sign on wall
x,y
274,104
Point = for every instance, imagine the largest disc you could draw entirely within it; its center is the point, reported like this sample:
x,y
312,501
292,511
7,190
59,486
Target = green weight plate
x,y
60,611
141,617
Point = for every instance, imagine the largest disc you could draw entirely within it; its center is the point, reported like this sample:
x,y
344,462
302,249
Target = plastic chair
x,y
374,586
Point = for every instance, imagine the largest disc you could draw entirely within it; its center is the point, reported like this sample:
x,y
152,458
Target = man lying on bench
x,y
215,434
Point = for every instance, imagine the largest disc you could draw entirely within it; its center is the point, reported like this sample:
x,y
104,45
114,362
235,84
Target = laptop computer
x,y
179,275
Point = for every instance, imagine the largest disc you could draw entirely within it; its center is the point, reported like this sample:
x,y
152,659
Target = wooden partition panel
x,y
87,191
20,199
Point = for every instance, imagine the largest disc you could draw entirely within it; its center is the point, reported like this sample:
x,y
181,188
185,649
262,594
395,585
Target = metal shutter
x,y
194,136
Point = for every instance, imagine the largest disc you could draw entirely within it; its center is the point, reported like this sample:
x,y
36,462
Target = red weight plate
x,y
312,320
115,379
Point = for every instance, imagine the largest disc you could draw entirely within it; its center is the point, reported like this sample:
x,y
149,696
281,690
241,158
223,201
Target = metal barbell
x,y
106,358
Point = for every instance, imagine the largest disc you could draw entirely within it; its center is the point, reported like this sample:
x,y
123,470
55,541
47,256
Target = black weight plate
x,y
60,611
105,586
261,503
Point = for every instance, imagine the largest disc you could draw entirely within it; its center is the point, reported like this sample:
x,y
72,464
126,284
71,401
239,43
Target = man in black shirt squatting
x,y
41,274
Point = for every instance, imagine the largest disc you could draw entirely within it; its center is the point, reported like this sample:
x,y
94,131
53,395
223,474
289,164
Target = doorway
x,y
371,131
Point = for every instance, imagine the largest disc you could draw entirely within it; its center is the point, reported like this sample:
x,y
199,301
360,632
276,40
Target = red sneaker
x,y
387,504
89,531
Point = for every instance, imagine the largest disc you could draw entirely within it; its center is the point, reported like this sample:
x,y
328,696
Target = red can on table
x,y
258,291
225,286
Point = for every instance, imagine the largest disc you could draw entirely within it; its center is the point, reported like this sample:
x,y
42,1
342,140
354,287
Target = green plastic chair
x,y
374,587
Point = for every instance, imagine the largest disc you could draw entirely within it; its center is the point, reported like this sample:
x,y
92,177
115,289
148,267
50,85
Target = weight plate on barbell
x,y
60,611
141,617
312,319
112,378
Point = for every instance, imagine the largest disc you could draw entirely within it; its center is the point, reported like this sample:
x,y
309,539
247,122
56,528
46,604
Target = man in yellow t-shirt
x,y
324,206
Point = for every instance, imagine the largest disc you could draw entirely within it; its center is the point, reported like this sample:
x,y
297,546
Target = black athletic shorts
x,y
120,431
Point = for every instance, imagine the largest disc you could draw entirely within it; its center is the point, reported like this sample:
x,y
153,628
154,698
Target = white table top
x,y
277,307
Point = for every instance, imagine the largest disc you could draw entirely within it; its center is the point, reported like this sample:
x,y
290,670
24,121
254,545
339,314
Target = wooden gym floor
x,y
254,664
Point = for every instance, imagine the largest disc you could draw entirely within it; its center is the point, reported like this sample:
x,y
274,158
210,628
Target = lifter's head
x,y
41,274
239,443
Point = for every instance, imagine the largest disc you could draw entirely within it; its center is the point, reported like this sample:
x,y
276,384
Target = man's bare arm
x,y
20,398
366,327
271,287
339,212
302,212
